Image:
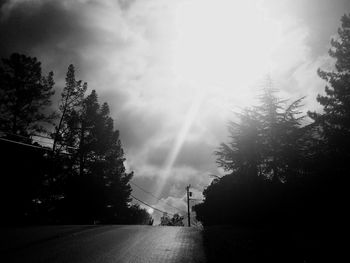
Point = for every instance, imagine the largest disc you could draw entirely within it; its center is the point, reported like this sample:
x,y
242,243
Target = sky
x,y
175,72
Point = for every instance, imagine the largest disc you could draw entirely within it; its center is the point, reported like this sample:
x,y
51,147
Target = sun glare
x,y
221,50
179,141
223,46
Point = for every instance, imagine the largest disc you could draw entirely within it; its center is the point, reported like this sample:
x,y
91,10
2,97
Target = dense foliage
x,y
24,95
175,220
80,176
264,160
281,172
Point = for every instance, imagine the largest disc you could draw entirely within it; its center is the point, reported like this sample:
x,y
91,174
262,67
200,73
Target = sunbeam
x,y
180,139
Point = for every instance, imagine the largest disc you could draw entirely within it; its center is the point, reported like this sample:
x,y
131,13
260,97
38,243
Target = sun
x,y
220,51
223,46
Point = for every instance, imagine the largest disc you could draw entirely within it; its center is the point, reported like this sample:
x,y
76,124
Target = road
x,y
114,244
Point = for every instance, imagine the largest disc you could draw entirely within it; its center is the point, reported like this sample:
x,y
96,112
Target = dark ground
x,y
105,244
230,244
111,243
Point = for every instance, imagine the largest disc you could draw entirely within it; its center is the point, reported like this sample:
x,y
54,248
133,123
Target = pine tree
x,y
240,156
335,119
280,135
332,130
263,159
71,102
265,142
25,98
25,95
99,187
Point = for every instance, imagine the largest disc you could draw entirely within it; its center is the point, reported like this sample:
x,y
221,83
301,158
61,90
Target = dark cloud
x,y
138,127
60,33
54,32
157,155
31,24
125,4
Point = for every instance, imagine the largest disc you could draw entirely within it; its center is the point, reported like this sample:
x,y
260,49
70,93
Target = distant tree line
x,y
77,174
282,171
176,220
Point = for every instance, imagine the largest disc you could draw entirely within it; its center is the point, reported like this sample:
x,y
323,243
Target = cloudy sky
x,y
174,72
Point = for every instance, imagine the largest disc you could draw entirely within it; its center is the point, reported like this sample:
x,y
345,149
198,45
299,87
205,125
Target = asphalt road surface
x,y
113,244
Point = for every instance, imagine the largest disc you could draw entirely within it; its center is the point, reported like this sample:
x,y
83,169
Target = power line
x,y
25,144
47,149
150,205
31,137
25,137
36,139
31,145
159,199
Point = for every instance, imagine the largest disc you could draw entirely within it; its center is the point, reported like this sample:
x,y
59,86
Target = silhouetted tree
x,y
24,95
98,187
240,156
332,154
82,179
279,135
306,167
265,151
71,101
266,141
334,121
165,220
139,216
176,220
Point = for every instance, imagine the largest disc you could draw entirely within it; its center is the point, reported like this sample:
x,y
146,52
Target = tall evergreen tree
x,y
241,156
71,101
280,135
331,154
262,158
265,140
25,95
99,187
334,122
25,98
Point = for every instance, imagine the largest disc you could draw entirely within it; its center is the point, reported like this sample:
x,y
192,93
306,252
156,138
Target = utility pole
x,y
188,204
